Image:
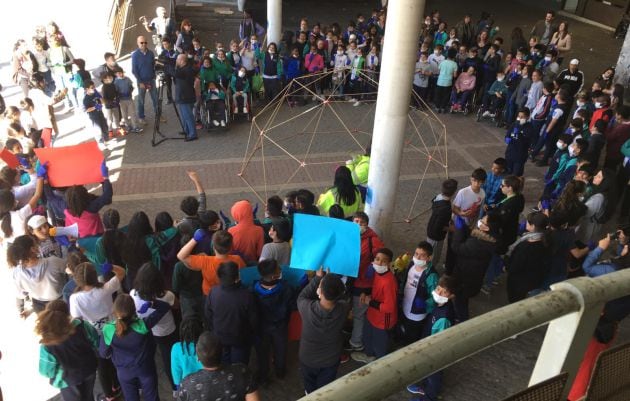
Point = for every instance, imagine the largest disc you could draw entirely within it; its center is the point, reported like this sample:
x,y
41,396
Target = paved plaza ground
x,y
154,179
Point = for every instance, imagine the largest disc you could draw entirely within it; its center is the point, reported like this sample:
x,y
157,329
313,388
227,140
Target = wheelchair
x,y
468,107
215,113
484,111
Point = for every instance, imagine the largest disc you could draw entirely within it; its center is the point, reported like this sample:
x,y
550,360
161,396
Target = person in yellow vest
x,y
343,192
360,167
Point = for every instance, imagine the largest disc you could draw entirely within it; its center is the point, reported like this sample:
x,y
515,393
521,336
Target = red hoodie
x,y
248,237
370,243
383,310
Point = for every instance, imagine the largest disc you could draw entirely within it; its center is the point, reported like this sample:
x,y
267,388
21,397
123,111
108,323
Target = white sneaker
x,y
486,114
222,123
362,357
215,123
356,103
245,110
492,115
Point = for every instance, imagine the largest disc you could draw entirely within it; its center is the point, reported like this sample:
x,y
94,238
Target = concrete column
x,y
392,106
274,21
622,71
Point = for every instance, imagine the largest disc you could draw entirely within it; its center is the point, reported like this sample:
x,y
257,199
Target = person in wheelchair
x,y
496,96
240,91
215,104
463,88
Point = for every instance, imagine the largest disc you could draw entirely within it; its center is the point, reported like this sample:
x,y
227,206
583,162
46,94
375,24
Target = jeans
x,y
140,99
358,317
315,378
494,270
188,119
83,391
437,250
460,98
376,340
63,81
432,385
111,116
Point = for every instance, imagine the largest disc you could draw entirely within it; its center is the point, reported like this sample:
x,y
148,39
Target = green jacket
x,y
222,68
109,330
155,242
49,366
625,149
233,84
207,75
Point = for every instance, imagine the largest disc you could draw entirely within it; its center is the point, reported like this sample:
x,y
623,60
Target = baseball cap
x,y
36,221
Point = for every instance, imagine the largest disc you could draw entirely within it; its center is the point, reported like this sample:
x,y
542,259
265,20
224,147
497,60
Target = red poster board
x,y
72,165
9,158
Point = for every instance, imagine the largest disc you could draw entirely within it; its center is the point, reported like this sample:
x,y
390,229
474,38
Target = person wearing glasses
x,y
143,69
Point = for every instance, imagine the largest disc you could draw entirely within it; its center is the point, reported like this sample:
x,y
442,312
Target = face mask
x,y
560,145
500,79
437,53
362,229
439,299
598,105
522,121
380,269
581,198
547,59
419,262
271,51
480,224
571,151
340,52
580,103
254,42
241,74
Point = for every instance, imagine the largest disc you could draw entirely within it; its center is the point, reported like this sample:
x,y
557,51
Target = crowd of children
x,y
146,287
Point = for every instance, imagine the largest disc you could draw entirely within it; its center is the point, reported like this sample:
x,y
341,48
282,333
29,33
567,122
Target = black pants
x,y
442,96
83,391
413,330
107,376
315,378
165,344
272,88
273,342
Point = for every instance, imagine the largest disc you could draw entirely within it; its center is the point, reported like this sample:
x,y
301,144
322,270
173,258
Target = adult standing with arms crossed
x,y
143,69
185,95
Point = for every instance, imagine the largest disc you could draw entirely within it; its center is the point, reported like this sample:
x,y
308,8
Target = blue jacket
x,y
184,361
594,269
275,304
292,68
143,66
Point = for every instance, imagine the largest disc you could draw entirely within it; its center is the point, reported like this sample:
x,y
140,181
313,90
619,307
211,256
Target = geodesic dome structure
x,y
303,135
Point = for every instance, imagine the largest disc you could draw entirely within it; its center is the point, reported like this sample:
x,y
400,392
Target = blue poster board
x,y
327,242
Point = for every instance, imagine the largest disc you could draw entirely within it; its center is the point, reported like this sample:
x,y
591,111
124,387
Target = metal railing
x,y
572,309
119,17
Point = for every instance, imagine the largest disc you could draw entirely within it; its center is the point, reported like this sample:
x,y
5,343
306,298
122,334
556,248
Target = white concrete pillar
x,y
622,70
402,31
274,21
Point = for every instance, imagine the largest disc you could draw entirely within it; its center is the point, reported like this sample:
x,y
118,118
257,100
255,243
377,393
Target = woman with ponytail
x,y
109,246
11,219
67,355
128,341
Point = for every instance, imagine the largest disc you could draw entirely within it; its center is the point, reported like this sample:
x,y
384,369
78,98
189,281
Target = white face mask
x,y
436,53
522,121
547,59
580,103
480,224
571,151
380,269
362,229
340,52
419,262
598,105
560,145
499,79
241,74
439,299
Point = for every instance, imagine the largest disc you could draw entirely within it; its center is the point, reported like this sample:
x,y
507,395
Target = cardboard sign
x,y
72,165
9,158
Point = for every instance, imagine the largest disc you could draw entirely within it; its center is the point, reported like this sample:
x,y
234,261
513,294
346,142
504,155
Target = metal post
x,y
274,21
392,106
568,336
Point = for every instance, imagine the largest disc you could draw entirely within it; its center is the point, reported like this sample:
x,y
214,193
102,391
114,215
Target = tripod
x,y
158,136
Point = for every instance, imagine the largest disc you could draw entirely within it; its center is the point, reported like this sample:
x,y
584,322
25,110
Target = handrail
x,y
572,308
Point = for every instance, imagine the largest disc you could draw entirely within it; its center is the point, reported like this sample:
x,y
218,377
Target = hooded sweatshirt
x,y
43,281
248,237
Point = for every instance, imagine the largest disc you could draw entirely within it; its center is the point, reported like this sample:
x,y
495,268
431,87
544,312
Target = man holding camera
x,y
593,267
166,61
185,94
